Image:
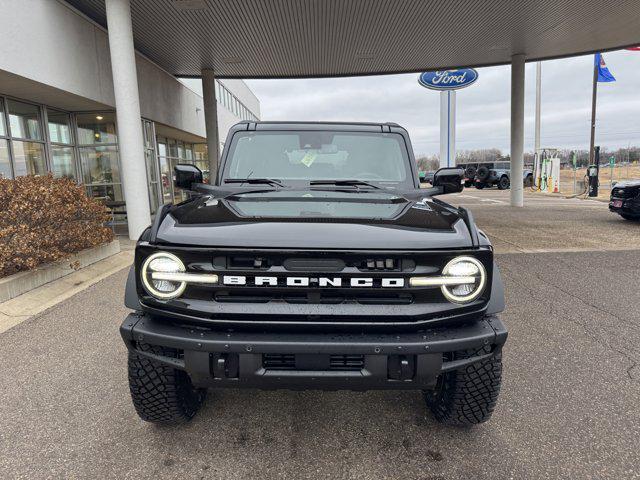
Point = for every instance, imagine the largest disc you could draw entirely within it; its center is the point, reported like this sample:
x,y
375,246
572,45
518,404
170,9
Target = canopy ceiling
x,y
303,38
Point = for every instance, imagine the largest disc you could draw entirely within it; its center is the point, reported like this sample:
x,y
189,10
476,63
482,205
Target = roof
x,y
303,38
319,126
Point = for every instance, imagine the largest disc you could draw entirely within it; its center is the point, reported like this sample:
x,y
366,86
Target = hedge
x,y
44,219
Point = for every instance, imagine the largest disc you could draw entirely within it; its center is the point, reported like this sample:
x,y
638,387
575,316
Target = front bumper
x,y
629,206
308,360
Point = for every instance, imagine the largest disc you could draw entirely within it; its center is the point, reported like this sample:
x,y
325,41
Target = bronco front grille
x,y
625,192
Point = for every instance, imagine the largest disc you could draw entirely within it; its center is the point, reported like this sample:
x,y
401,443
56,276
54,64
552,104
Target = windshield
x,y
380,158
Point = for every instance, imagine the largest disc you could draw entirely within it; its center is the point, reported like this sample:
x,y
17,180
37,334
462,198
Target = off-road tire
x,y
162,394
467,396
528,181
503,183
470,172
483,173
631,218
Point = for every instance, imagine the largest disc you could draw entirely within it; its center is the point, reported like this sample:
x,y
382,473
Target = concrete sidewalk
x,y
21,308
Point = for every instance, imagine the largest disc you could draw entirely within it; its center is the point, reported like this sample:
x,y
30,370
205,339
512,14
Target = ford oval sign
x,y
448,79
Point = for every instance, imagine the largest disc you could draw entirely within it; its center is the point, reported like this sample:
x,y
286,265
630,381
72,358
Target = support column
x,y
517,130
447,128
130,142
211,122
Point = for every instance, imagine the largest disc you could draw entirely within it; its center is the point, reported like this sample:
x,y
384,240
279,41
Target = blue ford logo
x,y
448,79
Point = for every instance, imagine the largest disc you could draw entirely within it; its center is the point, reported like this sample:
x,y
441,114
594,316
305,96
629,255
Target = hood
x,y
314,220
627,183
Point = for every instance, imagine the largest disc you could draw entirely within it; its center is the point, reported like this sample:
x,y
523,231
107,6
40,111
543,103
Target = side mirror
x,y
450,179
185,176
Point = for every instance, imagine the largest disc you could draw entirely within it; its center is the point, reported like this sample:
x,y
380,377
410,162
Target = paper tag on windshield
x,y
308,159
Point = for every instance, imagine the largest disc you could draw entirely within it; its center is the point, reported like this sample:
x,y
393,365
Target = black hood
x,y
316,220
627,184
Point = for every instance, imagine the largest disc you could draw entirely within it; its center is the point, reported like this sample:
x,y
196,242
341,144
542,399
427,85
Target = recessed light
x,y
99,117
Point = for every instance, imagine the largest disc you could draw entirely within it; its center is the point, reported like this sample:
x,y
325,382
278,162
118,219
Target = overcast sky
x,y
482,108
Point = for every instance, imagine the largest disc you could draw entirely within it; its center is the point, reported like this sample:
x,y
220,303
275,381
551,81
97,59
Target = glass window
x,y
319,155
29,158
110,194
95,128
5,161
165,179
3,129
62,162
148,133
173,149
24,120
59,127
100,165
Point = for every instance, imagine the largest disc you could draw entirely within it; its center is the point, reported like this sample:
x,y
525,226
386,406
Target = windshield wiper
x,y
268,181
344,183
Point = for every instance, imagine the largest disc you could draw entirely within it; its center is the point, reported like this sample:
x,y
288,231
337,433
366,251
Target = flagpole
x,y
593,112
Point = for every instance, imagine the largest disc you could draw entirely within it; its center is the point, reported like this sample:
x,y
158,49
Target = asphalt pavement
x,y
569,407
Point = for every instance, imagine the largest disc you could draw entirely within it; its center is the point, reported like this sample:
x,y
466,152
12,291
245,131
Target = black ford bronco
x,y
315,261
625,199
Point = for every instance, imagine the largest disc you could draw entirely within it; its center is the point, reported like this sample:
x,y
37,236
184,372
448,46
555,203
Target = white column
x,y
517,129
447,128
211,122
130,143
536,142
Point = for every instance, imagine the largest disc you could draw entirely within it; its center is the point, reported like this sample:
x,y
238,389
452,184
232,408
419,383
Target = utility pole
x,y
593,114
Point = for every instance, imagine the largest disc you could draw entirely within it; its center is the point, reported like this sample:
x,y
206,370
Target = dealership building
x,y
58,108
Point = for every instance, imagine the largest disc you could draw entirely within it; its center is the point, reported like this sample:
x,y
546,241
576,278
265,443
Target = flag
x,y
604,75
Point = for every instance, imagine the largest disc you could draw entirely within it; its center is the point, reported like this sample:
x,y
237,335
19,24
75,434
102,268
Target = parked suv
x,y
625,199
483,175
315,262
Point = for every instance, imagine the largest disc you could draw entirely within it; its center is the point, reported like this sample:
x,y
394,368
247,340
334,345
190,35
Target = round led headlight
x,y
155,266
469,268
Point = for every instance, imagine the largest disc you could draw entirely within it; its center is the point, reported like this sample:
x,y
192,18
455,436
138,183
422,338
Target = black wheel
x,y
632,218
503,183
162,394
528,181
470,172
479,186
483,173
468,396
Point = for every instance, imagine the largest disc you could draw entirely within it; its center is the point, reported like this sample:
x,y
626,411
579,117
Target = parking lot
x,y
568,408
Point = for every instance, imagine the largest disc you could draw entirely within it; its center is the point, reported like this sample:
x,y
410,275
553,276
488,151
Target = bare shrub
x,y
44,219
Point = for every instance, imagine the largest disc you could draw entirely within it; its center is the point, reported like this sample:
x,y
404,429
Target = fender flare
x,y
496,302
130,292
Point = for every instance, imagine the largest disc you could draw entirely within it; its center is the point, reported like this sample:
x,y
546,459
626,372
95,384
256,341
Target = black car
x,y
315,262
625,199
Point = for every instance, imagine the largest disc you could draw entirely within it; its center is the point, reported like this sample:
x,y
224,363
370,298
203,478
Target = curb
x,y
22,282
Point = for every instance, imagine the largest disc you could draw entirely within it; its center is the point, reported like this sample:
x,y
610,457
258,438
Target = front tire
x,y
503,183
467,396
162,394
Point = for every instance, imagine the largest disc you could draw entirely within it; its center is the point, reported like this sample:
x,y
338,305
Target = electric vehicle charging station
x,y
546,171
593,173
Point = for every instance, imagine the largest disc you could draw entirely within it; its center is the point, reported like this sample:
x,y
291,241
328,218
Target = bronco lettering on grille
x,y
262,281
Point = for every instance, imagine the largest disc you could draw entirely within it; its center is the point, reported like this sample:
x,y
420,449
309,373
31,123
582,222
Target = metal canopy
x,y
302,38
